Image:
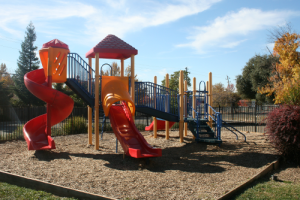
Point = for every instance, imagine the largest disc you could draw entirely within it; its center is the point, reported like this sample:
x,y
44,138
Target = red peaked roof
x,y
112,47
55,43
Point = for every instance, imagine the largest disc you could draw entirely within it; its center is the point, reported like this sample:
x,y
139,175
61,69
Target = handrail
x,y
204,87
156,96
233,129
217,120
80,71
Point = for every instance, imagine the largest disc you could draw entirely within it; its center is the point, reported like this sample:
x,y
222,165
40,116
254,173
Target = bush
x,y
75,125
283,130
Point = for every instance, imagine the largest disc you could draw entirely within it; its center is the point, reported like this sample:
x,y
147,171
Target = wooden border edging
x,y
274,165
47,187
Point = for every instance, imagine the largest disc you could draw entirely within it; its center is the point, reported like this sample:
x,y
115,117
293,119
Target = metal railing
x,y
156,96
81,72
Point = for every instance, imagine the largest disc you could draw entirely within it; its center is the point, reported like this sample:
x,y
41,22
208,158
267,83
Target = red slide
x,y
132,141
161,125
61,107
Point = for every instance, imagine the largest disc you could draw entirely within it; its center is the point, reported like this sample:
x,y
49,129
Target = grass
x,y
8,191
268,189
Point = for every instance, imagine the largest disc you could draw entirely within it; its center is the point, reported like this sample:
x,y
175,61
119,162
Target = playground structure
x,y
192,109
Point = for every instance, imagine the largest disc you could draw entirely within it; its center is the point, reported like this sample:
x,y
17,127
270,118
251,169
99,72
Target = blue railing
x,y
201,109
201,105
217,118
156,96
81,72
228,126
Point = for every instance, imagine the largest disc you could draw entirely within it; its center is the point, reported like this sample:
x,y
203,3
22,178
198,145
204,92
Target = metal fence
x,y
251,118
12,120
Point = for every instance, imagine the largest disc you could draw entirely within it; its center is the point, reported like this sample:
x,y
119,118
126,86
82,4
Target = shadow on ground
x,y
192,157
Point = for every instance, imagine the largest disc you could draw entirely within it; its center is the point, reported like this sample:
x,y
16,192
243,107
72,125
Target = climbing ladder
x,y
198,124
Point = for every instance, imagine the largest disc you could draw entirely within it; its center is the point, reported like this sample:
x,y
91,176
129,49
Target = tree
x,y
224,96
128,73
6,85
27,62
174,80
256,74
285,81
115,70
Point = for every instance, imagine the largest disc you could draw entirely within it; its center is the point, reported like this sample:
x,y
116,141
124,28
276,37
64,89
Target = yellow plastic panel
x,y
114,89
58,62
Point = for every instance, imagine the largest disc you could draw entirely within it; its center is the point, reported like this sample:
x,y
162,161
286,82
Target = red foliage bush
x,y
283,130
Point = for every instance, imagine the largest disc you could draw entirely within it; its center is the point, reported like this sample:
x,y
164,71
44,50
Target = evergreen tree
x,y
27,62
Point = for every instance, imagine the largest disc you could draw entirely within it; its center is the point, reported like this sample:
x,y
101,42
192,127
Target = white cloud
x,y
232,44
13,15
145,14
226,31
99,18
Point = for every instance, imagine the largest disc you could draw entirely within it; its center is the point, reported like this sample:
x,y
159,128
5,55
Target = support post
x,y
90,111
49,84
185,110
97,101
154,118
210,102
194,96
122,67
167,122
181,106
194,99
132,83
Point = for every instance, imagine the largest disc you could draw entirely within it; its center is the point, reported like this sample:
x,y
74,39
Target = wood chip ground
x,y
187,170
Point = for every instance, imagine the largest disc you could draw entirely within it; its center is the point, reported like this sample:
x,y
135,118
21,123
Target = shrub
x,y
16,134
75,125
283,130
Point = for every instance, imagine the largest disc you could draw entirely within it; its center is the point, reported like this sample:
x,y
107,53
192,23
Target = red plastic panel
x,y
161,125
132,141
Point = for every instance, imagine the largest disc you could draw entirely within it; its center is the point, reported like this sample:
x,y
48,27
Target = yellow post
x,y
194,99
132,81
181,106
154,118
167,122
90,111
185,111
97,101
210,97
122,67
49,84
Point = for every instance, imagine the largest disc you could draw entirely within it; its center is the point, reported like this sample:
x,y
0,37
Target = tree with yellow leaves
x,y
285,81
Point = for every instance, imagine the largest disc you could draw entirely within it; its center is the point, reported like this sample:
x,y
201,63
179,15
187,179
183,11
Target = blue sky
x,y
217,36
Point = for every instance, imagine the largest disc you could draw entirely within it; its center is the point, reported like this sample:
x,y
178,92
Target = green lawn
x,y
8,191
267,189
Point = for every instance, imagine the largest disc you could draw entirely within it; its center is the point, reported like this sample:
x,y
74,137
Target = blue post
x,y
219,125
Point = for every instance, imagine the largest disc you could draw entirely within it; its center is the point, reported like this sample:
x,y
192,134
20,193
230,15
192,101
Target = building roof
x,y
112,47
